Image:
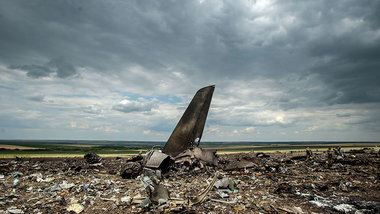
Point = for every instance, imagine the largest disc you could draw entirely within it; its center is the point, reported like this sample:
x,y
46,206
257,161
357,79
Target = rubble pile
x,y
92,158
281,182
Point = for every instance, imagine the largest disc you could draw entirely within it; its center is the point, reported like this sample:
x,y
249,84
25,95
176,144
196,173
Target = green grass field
x,y
64,154
20,149
274,149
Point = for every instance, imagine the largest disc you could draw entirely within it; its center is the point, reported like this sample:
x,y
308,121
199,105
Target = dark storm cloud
x,y
318,52
37,98
34,71
352,75
275,63
346,54
58,66
343,115
207,39
341,48
62,68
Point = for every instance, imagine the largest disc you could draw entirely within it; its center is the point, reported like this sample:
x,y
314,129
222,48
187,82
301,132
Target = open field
x,y
10,154
63,155
35,149
30,154
4,146
286,149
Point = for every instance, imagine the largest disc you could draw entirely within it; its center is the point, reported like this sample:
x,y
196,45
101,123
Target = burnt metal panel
x,y
154,159
207,156
191,124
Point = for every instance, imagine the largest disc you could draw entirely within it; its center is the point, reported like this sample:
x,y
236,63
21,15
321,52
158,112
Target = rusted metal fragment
x,y
190,126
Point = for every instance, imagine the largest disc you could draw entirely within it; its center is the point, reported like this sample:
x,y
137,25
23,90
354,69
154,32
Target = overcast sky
x,y
126,70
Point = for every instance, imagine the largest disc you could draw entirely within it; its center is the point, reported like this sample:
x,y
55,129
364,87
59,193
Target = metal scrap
x,y
156,159
207,156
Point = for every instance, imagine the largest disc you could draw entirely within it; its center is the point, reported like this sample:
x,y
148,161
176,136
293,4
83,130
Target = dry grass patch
x,y
3,146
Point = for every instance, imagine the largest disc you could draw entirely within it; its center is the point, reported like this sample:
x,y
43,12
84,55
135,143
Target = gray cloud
x,y
92,109
34,71
62,68
58,66
9,121
128,106
37,98
349,69
343,115
267,58
208,40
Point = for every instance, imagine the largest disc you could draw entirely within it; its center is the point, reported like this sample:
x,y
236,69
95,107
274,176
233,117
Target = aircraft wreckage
x,y
182,145
190,126
184,141
182,151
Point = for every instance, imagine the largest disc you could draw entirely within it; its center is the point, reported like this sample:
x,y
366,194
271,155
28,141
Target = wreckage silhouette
x,y
190,126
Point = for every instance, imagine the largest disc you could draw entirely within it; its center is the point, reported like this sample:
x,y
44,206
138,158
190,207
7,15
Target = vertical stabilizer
x,y
190,126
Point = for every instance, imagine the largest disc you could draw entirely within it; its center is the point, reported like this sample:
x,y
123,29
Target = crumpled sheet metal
x,y
154,159
190,126
208,156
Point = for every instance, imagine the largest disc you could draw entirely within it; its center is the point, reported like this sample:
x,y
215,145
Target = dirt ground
x,y
284,182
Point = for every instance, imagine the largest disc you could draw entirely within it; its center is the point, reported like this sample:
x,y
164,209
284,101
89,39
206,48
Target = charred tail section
x,y
190,126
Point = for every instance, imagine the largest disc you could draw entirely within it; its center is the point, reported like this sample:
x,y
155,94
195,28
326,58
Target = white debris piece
x,y
77,208
319,203
65,185
344,208
13,210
